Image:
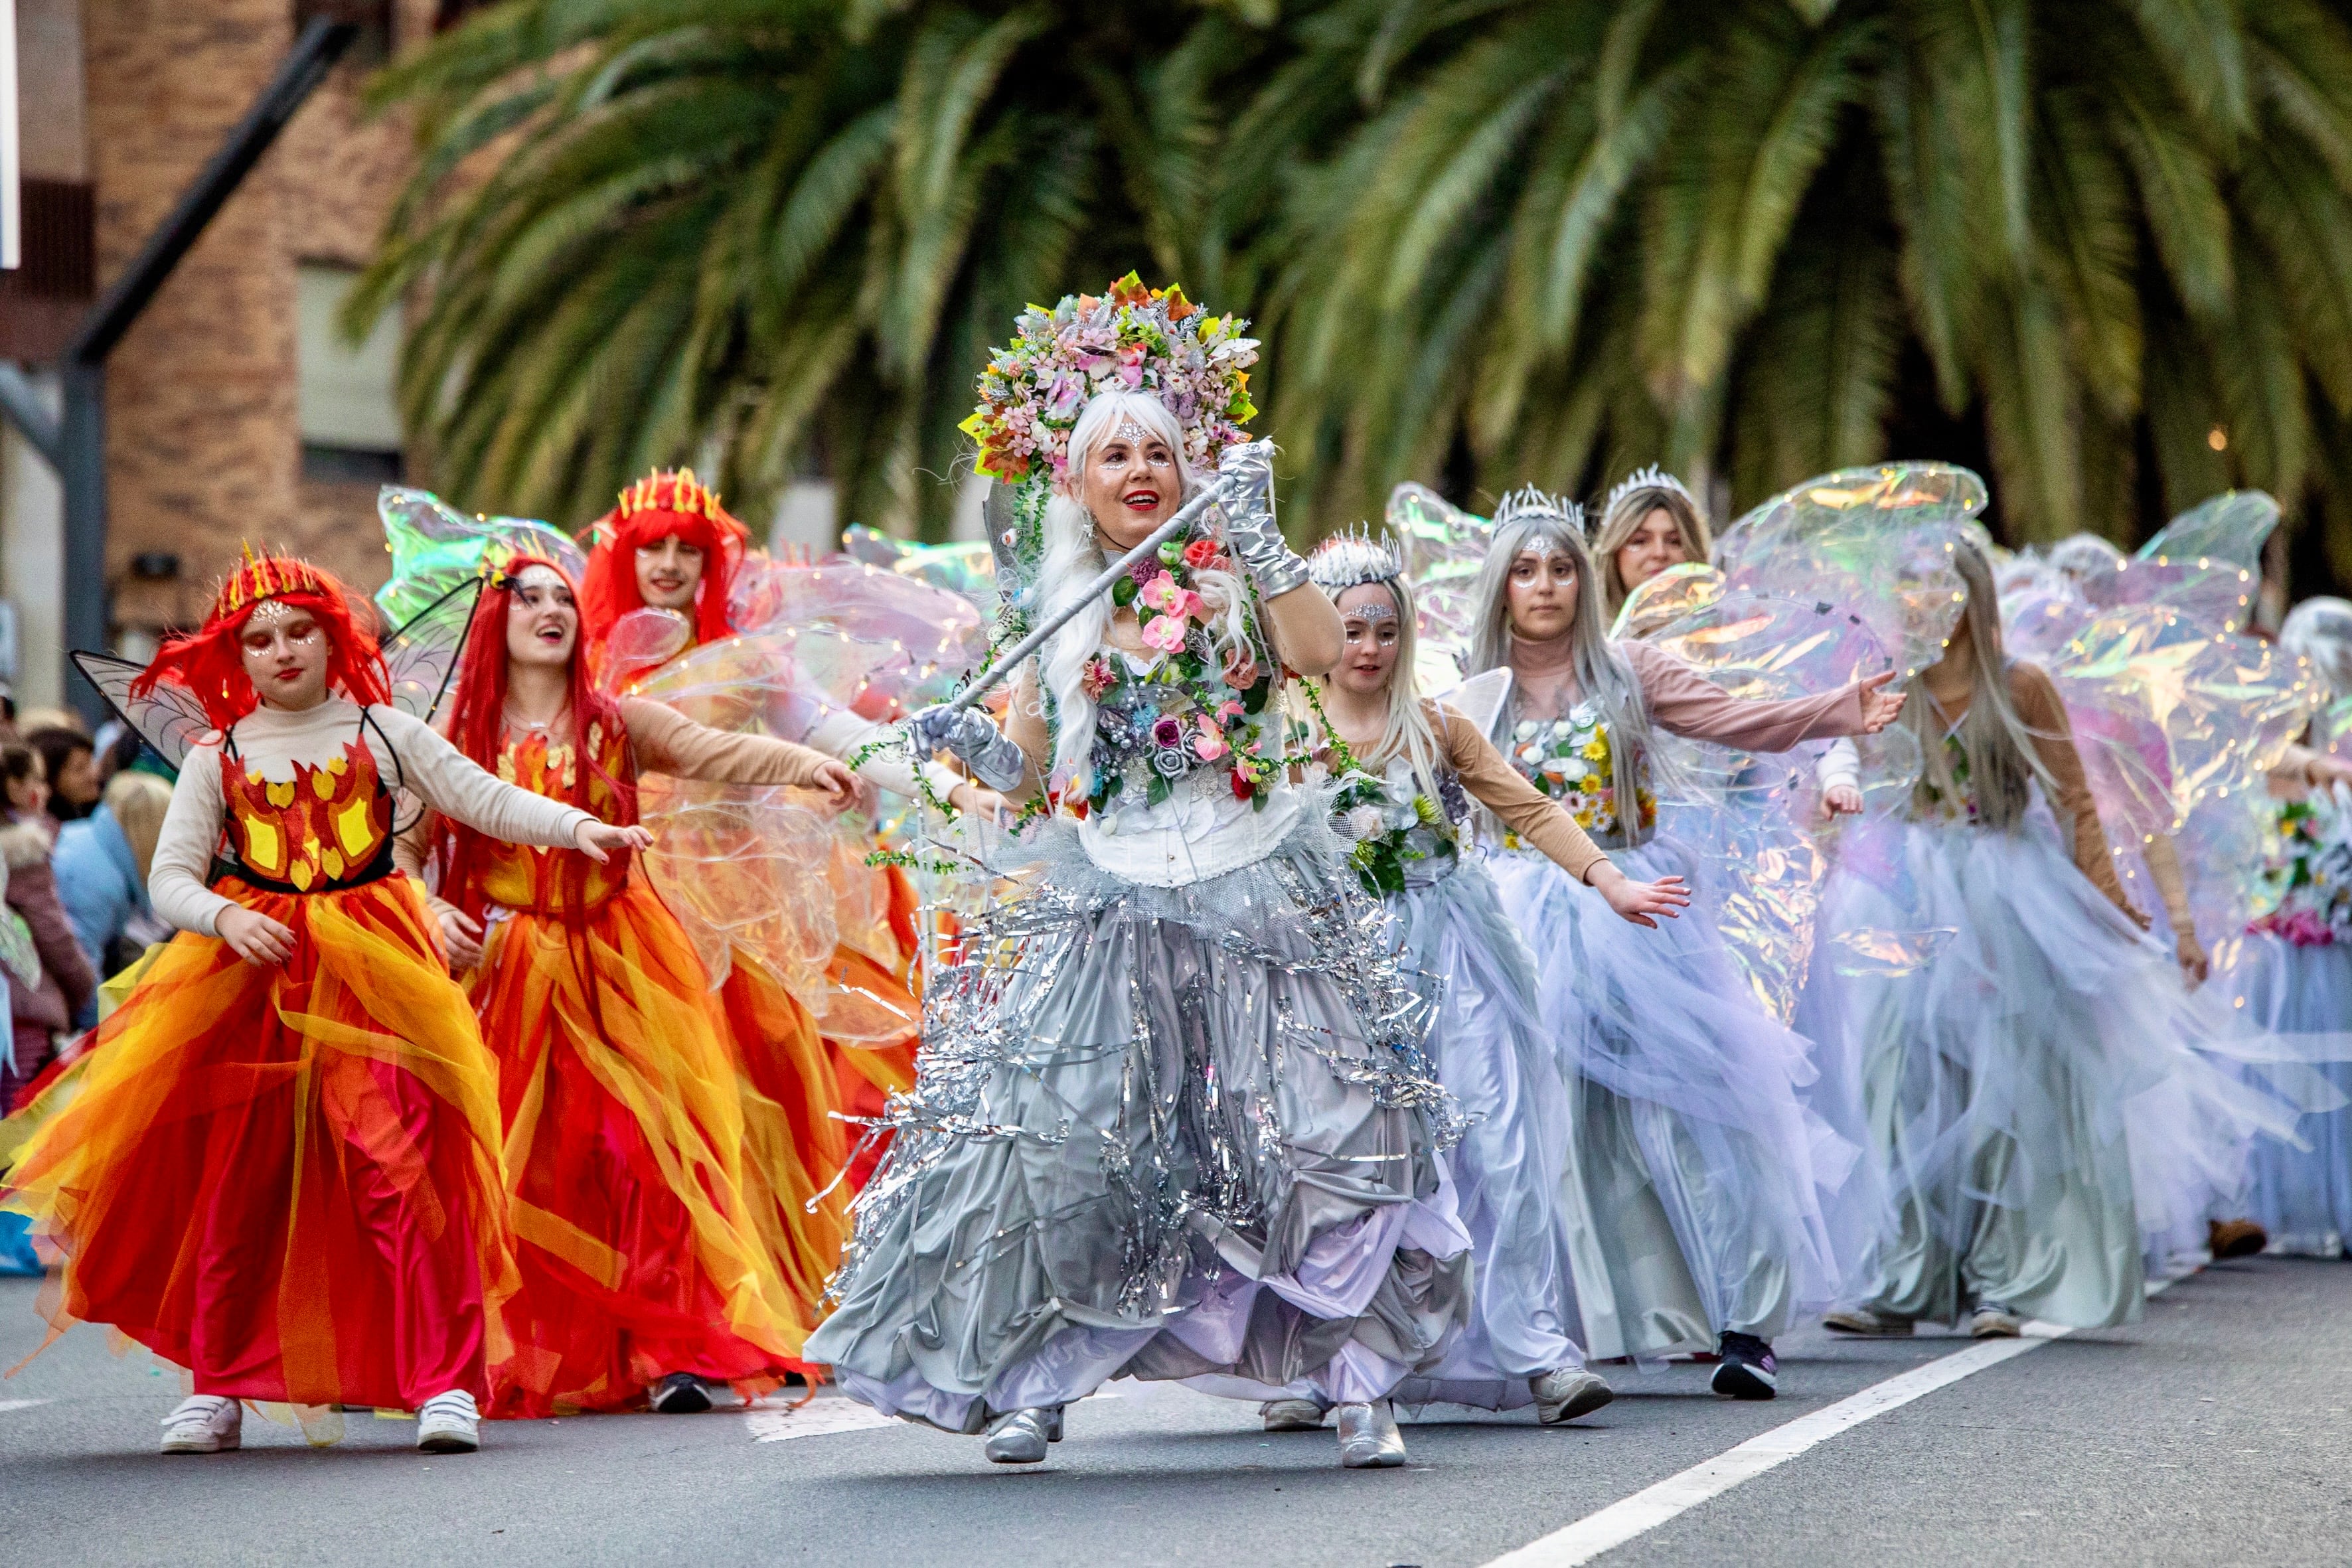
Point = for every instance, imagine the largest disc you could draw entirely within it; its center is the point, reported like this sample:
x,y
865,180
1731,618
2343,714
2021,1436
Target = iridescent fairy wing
x,y
171,721
421,656
1666,598
1876,543
1747,811
1481,698
966,569
435,547
2207,563
1444,547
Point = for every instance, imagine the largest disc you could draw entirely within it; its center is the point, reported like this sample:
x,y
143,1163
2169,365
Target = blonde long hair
x,y
1996,744
1529,520
1405,730
1073,555
137,802
1627,511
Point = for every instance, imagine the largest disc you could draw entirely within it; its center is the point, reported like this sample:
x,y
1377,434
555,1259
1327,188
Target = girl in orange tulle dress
x,y
671,546
651,1261
281,1168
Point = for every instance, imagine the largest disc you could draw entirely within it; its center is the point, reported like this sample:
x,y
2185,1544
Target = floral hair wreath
x,y
1129,339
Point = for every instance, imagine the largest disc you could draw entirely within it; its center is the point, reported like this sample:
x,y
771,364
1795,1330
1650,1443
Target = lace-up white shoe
x,y
1565,1393
449,1424
204,1424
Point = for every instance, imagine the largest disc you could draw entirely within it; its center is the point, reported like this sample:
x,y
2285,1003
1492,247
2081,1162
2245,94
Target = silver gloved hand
x,y
1245,473
991,754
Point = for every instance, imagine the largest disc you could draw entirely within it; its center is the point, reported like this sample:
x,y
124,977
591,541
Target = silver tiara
x,y
1529,501
1351,558
1653,477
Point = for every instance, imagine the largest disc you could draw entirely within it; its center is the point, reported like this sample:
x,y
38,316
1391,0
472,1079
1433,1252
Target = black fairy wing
x,y
171,719
421,656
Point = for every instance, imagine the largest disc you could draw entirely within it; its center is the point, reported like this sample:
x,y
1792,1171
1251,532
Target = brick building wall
x,y
204,440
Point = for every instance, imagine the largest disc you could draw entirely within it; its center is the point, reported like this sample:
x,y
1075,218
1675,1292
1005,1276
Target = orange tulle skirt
x,y
286,1179
794,1146
637,1230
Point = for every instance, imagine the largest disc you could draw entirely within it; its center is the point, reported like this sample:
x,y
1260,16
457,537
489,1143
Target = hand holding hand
x,y
979,800
599,841
461,938
2195,967
837,783
1637,901
255,937
1879,706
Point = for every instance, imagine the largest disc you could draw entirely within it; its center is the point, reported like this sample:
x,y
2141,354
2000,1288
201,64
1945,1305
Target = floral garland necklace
x,y
1184,709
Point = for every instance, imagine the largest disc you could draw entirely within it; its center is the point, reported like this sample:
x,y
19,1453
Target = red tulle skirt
x,y
286,1178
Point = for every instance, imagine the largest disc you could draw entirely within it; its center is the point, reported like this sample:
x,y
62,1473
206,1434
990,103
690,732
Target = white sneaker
x,y
1994,1320
204,1424
1565,1393
449,1424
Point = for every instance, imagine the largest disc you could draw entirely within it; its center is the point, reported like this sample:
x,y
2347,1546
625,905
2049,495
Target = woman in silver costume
x,y
1172,1118
1695,1201
1411,768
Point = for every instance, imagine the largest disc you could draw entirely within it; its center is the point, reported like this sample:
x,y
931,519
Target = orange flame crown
x,y
260,577
677,492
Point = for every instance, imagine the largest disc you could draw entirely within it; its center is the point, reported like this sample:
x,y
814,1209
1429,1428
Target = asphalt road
x,y
2219,1430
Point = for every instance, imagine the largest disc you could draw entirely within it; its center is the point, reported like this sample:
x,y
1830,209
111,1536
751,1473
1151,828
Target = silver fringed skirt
x,y
1164,1133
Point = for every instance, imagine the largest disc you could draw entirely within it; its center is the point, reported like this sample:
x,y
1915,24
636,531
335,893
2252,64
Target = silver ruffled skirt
x,y
1162,1133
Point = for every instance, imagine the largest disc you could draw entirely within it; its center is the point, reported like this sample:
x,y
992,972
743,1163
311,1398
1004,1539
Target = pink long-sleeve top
x,y
1684,701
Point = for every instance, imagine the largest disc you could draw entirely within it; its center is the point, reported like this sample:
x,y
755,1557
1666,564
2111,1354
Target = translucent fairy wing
x,y
435,547
966,569
1876,543
421,656
1444,547
1480,699
2207,563
1666,598
2167,714
172,720
1015,519
879,643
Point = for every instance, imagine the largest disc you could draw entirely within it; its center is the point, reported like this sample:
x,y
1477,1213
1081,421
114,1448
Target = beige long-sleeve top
x,y
667,742
1526,810
1683,701
2036,698
272,742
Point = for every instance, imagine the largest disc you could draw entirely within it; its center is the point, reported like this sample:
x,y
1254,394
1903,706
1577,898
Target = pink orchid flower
x,y
1163,595
1165,634
1210,744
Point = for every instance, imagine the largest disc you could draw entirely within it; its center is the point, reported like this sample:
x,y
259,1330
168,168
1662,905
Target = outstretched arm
x,y
1687,703
667,742
448,781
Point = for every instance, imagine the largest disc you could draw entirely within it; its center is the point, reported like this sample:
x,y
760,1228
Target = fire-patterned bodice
x,y
528,876
328,826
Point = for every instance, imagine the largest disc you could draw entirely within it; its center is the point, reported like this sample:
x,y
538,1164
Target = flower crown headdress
x,y
1129,339
1653,477
1529,501
1352,558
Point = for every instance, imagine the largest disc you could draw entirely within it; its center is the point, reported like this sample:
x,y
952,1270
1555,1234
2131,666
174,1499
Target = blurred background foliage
x,y
2100,248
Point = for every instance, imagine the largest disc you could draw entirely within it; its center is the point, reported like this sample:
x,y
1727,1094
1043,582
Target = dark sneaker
x,y
1748,1370
680,1393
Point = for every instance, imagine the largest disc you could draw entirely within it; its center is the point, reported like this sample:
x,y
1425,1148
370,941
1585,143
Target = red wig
x,y
651,510
210,667
477,728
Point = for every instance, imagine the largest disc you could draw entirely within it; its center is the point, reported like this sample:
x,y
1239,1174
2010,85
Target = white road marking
x,y
819,1418
8,1404
1652,1506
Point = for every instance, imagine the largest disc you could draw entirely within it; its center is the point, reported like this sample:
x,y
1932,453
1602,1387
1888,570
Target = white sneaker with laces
x,y
204,1424
449,1424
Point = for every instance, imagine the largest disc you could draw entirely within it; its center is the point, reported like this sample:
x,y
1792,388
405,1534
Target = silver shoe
x,y
1019,1438
1294,1415
1369,1438
1565,1393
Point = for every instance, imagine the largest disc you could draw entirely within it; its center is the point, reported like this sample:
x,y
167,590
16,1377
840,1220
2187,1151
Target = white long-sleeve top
x,y
271,741
842,733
